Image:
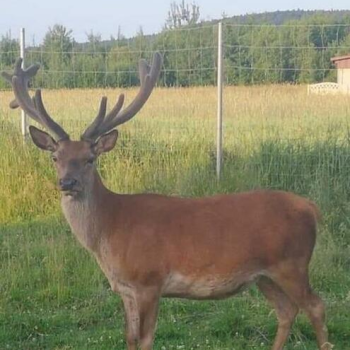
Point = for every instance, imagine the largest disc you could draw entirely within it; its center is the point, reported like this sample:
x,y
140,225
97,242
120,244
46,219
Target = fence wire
x,y
265,56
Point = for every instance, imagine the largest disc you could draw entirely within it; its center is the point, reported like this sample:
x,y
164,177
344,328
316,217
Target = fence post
x,y
22,54
219,159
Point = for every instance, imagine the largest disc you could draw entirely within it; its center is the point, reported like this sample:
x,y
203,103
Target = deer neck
x,y
85,215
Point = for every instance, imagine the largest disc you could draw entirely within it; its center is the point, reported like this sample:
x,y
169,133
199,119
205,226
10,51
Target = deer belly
x,y
208,287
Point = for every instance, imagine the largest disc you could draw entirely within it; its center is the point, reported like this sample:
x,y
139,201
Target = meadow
x,y
52,293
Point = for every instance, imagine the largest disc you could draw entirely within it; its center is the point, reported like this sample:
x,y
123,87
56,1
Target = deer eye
x,y
90,161
54,159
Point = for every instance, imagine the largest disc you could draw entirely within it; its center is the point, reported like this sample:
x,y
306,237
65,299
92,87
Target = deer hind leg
x,y
286,310
315,310
294,281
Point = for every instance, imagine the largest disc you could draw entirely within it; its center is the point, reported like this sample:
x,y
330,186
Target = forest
x,y
271,48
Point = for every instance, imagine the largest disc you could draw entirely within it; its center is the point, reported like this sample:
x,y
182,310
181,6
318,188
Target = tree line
x,y
298,51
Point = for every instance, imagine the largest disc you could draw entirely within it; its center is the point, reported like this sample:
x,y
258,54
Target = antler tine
x,y
23,99
26,75
115,110
36,110
93,131
106,123
47,121
148,79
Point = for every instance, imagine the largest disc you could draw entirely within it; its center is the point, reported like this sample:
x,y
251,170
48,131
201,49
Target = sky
x,y
105,16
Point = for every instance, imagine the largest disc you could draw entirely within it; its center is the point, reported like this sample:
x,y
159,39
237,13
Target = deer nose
x,y
67,184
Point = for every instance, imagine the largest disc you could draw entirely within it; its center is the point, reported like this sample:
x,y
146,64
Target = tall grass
x,y
52,295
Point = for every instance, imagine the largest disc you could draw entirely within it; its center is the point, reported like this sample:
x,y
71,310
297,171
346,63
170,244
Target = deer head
x,y
75,160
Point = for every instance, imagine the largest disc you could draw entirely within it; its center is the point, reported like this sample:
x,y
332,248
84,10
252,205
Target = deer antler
x,y
103,123
34,107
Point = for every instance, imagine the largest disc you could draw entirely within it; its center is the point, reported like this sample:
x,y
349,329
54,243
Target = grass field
x,y
53,295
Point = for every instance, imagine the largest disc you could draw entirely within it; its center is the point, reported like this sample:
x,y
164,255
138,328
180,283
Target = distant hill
x,y
273,18
282,17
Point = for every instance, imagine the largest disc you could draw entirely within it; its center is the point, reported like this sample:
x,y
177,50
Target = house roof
x,y
340,58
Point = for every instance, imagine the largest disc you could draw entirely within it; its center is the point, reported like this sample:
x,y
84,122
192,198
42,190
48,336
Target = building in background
x,y
342,85
343,72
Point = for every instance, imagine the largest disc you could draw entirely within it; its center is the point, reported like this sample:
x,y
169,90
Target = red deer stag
x,y
151,246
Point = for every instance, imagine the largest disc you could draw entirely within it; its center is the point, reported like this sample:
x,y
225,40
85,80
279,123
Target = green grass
x,y
52,293
54,297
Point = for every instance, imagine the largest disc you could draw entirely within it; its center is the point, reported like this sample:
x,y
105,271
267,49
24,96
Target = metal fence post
x,y
219,160
22,54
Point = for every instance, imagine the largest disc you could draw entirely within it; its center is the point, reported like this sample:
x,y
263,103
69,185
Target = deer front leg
x,y
132,320
141,310
148,302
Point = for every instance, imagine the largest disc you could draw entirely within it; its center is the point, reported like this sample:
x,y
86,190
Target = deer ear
x,y
106,142
42,139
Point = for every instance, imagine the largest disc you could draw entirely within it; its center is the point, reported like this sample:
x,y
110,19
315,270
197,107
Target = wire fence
x,y
265,56
253,54
189,59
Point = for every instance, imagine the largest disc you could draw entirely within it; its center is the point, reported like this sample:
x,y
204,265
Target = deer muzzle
x,y
67,184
